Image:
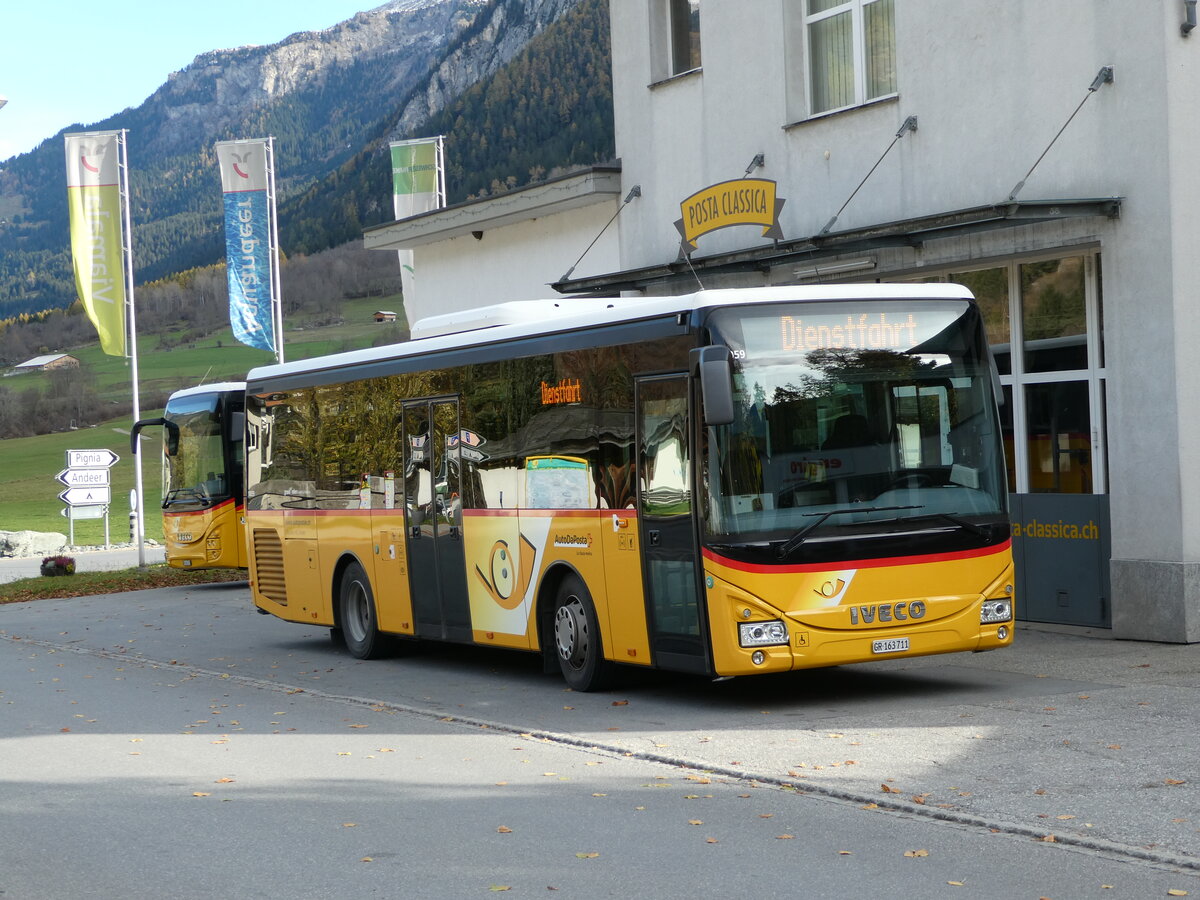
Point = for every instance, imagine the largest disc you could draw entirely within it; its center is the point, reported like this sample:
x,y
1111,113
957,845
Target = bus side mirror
x,y
172,434
237,427
172,437
712,363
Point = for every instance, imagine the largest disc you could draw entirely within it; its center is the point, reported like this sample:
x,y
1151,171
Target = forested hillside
x,y
548,110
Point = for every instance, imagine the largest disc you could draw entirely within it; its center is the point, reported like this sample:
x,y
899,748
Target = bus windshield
x,y
196,473
853,414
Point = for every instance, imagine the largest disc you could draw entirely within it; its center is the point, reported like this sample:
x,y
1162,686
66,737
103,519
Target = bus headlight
x,y
995,611
762,634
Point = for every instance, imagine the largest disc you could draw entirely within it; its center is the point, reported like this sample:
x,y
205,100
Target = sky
x,y
65,62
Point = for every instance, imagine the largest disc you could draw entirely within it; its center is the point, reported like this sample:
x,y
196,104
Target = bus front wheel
x,y
359,627
577,639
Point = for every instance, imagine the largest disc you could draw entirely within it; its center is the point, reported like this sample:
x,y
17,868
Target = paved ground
x,y
14,568
1068,733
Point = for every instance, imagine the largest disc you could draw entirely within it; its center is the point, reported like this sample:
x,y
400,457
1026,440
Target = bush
x,y
58,565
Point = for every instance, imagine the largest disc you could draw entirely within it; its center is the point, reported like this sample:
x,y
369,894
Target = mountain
x,y
331,99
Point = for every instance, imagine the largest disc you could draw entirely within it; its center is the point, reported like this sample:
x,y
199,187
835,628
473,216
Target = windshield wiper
x,y
955,519
802,535
183,495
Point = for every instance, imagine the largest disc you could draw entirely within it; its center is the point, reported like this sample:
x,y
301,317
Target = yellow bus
x,y
202,505
723,483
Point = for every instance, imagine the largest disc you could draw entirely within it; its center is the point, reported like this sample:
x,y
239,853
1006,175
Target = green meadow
x,y
28,466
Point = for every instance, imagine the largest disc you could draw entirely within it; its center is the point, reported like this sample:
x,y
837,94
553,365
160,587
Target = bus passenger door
x,y
677,624
433,519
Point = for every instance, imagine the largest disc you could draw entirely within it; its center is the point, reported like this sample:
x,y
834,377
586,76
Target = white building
x,y
914,140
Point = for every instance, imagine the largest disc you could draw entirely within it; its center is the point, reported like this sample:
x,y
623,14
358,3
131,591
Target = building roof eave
x,y
574,190
901,233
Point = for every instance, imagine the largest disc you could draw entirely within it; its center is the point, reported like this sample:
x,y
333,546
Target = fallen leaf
x,y
916,853
1040,791
223,781
500,887
351,726
710,840
1048,839
367,859
785,837
700,779
887,789
845,853
1064,818
955,883
568,707
1176,892
587,855
349,824
1114,746
870,806
620,703
599,795
695,822
766,815
504,829
201,794
1173,781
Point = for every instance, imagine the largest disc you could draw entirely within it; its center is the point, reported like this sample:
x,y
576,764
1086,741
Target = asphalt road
x,y
173,743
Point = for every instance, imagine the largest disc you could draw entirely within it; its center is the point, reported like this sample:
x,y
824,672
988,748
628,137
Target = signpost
x,y
88,490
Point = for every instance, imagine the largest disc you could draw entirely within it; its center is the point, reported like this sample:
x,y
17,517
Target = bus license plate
x,y
889,645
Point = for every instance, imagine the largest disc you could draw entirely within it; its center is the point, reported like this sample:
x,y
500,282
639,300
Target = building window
x,y
1044,324
683,22
851,48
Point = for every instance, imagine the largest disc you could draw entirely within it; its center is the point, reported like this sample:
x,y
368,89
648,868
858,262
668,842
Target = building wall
x,y
991,84
515,262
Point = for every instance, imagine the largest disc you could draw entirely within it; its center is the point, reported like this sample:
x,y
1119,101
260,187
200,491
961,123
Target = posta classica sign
x,y
743,201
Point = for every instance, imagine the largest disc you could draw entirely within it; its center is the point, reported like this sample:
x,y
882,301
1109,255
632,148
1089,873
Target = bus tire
x,y
576,637
358,620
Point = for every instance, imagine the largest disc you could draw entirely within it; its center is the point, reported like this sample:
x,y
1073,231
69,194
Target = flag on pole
x,y
418,185
94,201
246,179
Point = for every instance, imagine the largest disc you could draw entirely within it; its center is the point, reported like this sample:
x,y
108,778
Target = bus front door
x,y
677,624
433,519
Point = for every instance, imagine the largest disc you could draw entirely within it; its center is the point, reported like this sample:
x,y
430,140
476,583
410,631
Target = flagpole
x,y
276,276
127,249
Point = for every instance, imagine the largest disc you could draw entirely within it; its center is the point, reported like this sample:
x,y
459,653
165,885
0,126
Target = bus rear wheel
x,y
359,627
577,639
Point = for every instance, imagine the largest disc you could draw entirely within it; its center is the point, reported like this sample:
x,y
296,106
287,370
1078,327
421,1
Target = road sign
x,y
83,477
85,496
84,512
91,459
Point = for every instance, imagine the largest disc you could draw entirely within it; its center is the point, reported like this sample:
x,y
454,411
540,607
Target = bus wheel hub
x,y
570,632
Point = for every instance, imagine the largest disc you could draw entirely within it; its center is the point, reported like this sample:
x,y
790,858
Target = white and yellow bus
x,y
202,504
725,483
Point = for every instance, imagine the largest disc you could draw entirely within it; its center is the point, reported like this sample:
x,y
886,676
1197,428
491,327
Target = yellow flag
x,y
94,200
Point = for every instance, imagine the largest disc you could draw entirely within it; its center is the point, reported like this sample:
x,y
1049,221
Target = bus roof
x,y
532,318
219,387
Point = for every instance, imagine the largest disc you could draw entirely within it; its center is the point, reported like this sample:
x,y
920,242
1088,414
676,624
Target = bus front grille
x,y
268,565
